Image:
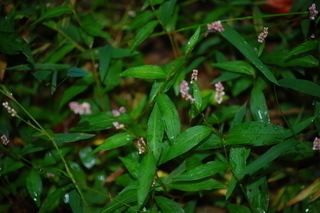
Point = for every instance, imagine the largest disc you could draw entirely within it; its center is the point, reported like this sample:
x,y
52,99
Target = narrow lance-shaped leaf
x,y
143,34
104,61
61,138
244,47
241,67
193,41
194,186
168,205
202,171
115,141
146,176
186,141
145,72
268,157
34,185
155,131
257,193
255,133
301,85
170,116
258,105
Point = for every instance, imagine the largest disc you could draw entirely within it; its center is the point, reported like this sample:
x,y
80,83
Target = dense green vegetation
x,y
159,106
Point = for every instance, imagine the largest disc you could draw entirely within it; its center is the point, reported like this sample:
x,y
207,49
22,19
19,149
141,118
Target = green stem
x,y
233,19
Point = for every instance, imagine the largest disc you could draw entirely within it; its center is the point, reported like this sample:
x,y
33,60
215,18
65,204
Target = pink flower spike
x,y
194,76
219,92
263,35
215,27
184,91
313,12
316,144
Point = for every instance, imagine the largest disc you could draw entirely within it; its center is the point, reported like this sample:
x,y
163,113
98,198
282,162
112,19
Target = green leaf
x,y
143,34
186,141
302,48
56,11
197,96
232,208
300,85
76,72
141,20
155,132
93,27
202,171
255,133
166,14
104,61
34,185
146,176
258,105
124,199
99,121
61,138
193,41
115,141
145,72
266,158
168,205
59,53
304,61
238,159
241,67
258,196
52,200
195,186
75,202
170,116
248,51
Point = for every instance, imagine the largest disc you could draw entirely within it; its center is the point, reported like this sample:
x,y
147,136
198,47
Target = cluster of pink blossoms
x,y
117,113
316,144
263,35
184,87
313,12
81,109
215,27
219,92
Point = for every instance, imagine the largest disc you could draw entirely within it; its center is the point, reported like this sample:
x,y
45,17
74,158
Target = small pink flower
x,y
316,144
219,92
215,27
184,91
313,12
86,107
118,125
263,35
117,113
81,109
194,76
